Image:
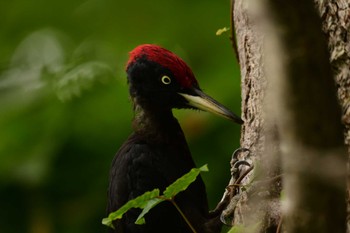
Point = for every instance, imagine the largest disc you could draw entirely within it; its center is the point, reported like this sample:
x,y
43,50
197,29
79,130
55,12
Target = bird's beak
x,y
202,101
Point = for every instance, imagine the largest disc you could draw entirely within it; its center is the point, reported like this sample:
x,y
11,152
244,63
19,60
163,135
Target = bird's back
x,y
143,164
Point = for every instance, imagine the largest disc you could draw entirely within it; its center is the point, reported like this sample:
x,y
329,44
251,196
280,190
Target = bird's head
x,y
159,79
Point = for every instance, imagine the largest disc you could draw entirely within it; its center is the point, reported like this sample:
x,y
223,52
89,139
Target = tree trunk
x,y
336,26
292,120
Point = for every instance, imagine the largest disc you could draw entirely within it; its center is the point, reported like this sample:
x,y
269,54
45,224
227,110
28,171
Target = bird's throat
x,y
156,124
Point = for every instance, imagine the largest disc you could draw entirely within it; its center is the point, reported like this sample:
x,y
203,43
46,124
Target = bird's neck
x,y
156,124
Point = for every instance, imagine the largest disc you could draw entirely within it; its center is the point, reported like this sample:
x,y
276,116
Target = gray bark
x,y
292,120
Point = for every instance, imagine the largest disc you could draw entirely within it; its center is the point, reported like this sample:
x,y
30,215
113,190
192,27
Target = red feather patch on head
x,y
167,59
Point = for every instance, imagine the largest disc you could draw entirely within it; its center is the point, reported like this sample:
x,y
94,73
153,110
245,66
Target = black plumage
x,y
156,154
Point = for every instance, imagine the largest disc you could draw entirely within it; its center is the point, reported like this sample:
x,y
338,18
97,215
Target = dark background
x,y
64,107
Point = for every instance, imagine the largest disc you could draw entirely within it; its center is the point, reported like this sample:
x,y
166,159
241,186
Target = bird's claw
x,y
226,216
238,151
241,162
233,190
236,163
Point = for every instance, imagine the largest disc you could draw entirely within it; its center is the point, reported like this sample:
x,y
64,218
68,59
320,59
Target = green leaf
x,y
152,198
139,202
220,31
150,204
183,182
237,229
242,228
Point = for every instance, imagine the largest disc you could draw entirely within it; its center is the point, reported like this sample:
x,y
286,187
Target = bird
x,y
156,153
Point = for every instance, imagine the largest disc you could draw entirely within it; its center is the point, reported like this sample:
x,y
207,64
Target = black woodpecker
x,y
156,153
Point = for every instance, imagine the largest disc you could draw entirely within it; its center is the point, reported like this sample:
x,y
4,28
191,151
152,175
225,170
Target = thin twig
x,y
183,215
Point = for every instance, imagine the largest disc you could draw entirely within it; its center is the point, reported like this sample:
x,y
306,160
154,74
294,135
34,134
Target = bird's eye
x,y
166,80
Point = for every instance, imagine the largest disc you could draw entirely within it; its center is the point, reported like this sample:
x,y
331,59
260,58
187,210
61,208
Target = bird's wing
x,y
139,167
133,172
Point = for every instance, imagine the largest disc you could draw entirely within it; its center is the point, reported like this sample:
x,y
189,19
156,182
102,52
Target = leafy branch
x,y
150,199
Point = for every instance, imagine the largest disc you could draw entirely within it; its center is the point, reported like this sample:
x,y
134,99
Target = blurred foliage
x,y
64,107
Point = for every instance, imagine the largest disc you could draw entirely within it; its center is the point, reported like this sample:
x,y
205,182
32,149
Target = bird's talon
x,y
235,162
238,151
239,163
225,221
234,191
226,216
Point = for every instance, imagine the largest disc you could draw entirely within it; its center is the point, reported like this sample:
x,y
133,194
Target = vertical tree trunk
x,y
250,211
292,120
335,16
303,94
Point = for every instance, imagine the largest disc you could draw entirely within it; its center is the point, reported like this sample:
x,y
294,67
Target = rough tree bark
x,y
292,120
335,16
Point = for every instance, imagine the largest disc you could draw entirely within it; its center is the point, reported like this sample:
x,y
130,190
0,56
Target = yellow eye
x,y
166,80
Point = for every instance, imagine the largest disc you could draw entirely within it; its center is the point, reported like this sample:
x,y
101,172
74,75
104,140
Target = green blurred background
x,y
64,106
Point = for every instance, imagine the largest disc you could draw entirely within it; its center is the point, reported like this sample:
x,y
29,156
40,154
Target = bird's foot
x,y
235,189
236,162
